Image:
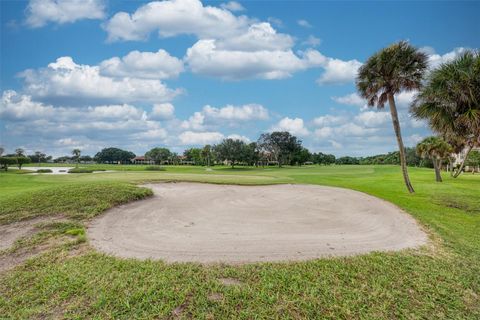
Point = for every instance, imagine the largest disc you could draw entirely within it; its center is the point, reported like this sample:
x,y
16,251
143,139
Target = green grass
x,y
441,281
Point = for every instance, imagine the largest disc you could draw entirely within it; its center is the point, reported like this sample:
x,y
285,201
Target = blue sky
x,y
182,73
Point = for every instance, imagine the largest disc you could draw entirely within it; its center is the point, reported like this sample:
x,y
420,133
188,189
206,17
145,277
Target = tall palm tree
x,y
398,67
450,102
76,154
437,150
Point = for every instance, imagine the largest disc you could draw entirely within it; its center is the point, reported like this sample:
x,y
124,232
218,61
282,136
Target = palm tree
x,y
398,67
450,102
437,150
76,154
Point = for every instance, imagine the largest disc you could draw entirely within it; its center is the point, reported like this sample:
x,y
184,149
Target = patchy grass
x,y
76,200
438,283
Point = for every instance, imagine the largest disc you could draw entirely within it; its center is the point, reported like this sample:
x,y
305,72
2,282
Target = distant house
x,y
141,160
459,157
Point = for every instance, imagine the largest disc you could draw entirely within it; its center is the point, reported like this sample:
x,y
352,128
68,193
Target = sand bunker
x,y
237,224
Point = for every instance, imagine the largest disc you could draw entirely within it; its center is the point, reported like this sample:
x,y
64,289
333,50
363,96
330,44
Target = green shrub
x,y
44,170
155,168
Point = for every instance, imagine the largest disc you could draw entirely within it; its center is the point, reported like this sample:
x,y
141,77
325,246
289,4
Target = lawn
x,y
68,279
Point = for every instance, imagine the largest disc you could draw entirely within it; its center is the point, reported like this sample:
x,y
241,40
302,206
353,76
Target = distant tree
x,y
19,152
301,156
194,154
280,144
250,154
85,159
62,159
158,155
21,161
207,154
7,161
2,150
450,102
38,157
230,150
113,155
76,155
347,160
437,150
399,67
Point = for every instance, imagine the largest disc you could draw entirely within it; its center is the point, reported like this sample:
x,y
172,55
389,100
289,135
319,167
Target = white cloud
x,y
232,6
200,138
324,132
124,111
259,36
195,122
40,12
241,113
239,137
145,65
339,72
436,59
329,120
162,111
304,23
312,41
352,99
373,118
70,82
294,126
15,106
205,58
175,17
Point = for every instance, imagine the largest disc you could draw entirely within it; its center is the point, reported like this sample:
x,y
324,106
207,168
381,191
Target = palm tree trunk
x,y
436,167
401,148
457,173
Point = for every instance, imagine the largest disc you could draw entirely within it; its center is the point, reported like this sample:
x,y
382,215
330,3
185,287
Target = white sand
x,y
237,224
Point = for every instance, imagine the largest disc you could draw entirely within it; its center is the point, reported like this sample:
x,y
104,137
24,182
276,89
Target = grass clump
x,y
44,171
155,168
74,200
80,170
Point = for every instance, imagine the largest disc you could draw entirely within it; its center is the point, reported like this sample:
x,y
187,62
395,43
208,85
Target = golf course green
x,y
53,272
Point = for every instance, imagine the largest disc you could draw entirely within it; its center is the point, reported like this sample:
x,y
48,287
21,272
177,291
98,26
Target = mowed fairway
x,y
69,279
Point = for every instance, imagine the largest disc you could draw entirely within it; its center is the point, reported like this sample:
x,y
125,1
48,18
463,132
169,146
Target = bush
x,y
44,171
80,170
155,168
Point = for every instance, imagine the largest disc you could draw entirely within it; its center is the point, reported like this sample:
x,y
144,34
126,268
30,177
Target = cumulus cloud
x,y
352,99
145,65
162,111
338,71
312,41
205,58
229,114
304,23
19,107
232,6
239,137
238,113
295,126
373,118
41,12
228,47
66,81
435,59
259,36
200,138
329,120
175,17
